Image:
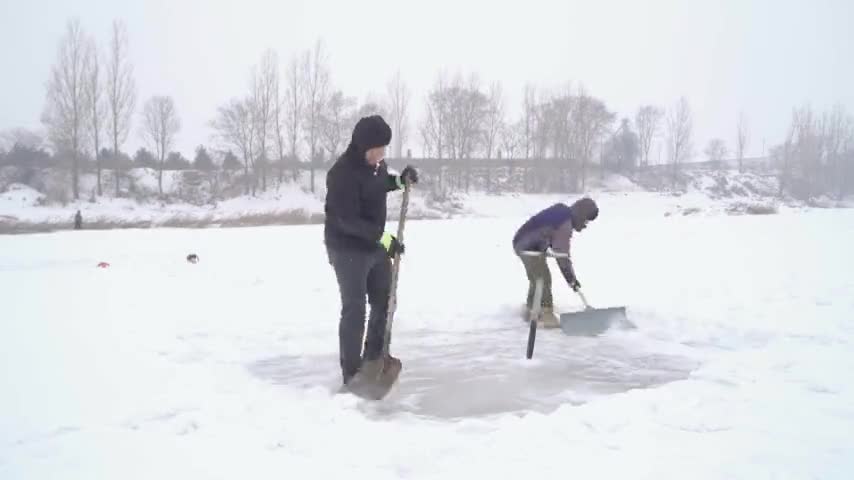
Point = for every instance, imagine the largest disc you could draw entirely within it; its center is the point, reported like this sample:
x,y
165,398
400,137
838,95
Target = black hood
x,y
369,132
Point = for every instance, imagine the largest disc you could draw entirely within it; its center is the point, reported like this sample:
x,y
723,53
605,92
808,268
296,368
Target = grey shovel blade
x,y
594,321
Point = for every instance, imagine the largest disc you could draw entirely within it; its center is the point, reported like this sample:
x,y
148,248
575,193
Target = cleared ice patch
x,y
482,373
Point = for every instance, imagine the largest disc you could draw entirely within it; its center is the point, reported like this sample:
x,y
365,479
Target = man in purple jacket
x,y
551,230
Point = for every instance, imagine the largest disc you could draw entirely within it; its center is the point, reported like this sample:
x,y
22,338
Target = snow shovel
x,y
593,321
374,381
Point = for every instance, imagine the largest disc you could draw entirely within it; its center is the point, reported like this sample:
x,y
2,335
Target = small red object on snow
x,y
103,265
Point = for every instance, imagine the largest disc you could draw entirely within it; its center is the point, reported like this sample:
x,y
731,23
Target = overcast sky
x,y
762,57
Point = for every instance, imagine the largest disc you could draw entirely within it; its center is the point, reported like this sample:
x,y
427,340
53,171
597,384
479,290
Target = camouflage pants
x,y
536,267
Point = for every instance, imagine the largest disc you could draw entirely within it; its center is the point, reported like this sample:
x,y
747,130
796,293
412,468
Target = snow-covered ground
x,y
157,368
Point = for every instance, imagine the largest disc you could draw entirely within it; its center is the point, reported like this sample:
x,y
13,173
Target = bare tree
x,y
680,133
234,127
454,120
264,82
846,162
511,138
121,93
398,95
424,130
316,82
427,128
553,124
66,113
837,130
542,126
494,121
337,118
470,120
278,129
528,119
97,107
807,147
293,105
461,109
741,140
783,156
159,128
433,126
648,122
716,151
591,120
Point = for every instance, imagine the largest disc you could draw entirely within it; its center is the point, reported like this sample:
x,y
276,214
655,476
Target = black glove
x,y
391,245
409,175
574,284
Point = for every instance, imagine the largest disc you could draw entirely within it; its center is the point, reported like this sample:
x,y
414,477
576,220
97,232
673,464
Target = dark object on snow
x,y
193,258
593,321
103,265
78,220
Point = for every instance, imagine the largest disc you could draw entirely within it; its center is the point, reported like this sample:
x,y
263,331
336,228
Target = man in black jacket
x,y
359,250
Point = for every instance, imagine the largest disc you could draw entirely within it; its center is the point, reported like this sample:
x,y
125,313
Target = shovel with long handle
x,y
374,380
395,271
583,300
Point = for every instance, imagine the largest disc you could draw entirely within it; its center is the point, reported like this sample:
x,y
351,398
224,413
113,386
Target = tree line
x,y
293,117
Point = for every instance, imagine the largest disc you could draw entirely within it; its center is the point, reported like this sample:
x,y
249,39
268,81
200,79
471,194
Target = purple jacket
x,y
551,227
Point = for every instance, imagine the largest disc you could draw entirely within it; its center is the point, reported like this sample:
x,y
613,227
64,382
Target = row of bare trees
x,y
817,154
463,120
88,98
294,113
91,97
300,116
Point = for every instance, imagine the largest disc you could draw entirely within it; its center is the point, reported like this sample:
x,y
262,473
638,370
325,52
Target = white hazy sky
x,y
762,57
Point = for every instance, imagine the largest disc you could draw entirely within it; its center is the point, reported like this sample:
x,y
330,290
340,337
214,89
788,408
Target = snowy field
x,y
741,366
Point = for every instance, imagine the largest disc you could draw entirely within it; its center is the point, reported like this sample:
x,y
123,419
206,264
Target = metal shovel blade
x,y
372,381
594,321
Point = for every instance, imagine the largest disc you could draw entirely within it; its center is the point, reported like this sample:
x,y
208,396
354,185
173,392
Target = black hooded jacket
x,y
356,192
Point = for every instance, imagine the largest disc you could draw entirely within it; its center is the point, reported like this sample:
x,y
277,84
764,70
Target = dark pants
x,y
535,267
361,274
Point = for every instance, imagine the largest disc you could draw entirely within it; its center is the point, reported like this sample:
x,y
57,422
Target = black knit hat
x,y
370,132
585,209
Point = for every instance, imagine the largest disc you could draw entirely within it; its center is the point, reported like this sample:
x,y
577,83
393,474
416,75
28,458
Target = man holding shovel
x,y
550,231
360,252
